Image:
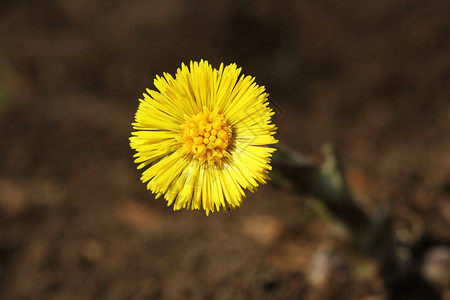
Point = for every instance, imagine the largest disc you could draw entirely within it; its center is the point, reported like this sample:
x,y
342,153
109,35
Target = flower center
x,y
206,136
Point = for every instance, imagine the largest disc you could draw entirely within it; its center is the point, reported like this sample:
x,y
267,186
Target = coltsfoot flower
x,y
202,137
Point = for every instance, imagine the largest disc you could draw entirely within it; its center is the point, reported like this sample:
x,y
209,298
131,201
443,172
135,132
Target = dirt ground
x,y
371,77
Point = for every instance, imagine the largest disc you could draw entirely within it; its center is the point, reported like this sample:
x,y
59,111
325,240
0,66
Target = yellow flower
x,y
203,136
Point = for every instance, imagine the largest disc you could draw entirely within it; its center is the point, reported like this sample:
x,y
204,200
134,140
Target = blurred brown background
x,y
372,77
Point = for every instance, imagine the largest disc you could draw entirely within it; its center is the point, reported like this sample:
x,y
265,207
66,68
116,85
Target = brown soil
x,y
371,77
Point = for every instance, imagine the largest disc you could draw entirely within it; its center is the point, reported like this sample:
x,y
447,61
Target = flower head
x,y
203,137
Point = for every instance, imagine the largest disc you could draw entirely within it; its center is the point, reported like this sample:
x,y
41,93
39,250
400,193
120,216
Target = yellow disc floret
x,y
206,136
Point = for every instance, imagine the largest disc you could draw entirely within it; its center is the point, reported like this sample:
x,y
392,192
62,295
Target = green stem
x,y
327,183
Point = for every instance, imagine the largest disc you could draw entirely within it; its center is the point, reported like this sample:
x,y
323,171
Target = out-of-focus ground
x,y
371,77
